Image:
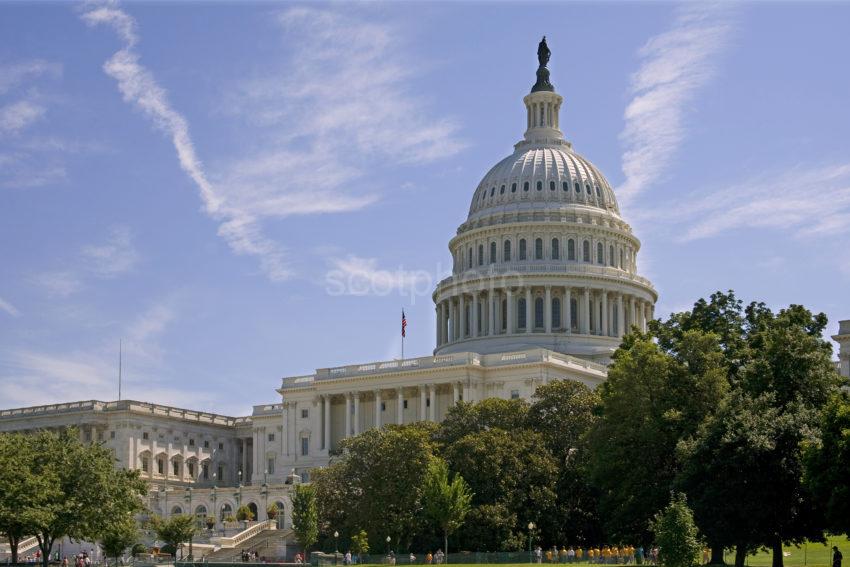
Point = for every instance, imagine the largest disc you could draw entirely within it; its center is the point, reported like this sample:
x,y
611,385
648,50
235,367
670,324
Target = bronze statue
x,y
543,52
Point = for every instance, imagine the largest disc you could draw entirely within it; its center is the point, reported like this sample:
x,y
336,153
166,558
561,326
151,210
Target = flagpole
x,y
119,368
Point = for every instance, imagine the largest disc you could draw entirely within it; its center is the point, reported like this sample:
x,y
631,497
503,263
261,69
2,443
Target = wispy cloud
x,y
19,115
116,256
362,276
16,73
805,200
674,66
8,308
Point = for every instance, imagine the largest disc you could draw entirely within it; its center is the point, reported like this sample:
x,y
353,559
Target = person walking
x,y
836,556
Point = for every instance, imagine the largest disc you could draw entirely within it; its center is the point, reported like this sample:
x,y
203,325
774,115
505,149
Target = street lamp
x,y
388,544
530,553
264,490
188,498
336,545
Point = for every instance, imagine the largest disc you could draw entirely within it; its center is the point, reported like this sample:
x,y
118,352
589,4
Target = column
x,y
445,328
255,459
568,316
286,443
432,412
455,393
604,313
547,309
327,430
529,324
621,316
453,321
347,416
423,403
510,311
357,413
377,408
585,312
461,333
632,312
475,314
492,310
399,418
438,315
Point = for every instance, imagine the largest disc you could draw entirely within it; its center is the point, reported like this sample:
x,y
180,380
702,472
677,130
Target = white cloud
x,y
17,116
675,64
15,74
58,283
114,257
9,308
807,201
362,276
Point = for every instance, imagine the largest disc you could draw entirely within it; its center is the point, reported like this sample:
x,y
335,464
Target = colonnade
x,y
585,311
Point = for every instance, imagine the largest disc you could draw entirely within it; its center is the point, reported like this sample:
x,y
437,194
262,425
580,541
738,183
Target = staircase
x,y
269,544
24,546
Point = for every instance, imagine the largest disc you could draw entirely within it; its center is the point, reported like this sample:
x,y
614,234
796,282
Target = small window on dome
x,y
522,249
538,249
480,254
502,190
587,187
492,252
540,186
493,191
598,193
578,188
513,188
566,186
525,186
551,185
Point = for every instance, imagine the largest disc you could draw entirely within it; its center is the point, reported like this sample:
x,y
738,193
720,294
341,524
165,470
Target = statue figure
x,y
543,52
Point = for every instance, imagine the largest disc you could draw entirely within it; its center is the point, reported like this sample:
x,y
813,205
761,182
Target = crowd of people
x,y
612,555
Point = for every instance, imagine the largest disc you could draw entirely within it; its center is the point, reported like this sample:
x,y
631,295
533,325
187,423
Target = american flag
x,y
403,323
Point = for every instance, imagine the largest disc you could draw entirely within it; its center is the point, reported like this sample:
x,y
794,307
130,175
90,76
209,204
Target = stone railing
x,y
122,405
23,546
539,267
244,535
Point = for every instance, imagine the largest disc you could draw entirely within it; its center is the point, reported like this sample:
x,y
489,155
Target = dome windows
x,y
556,313
480,254
611,257
525,186
540,186
566,186
513,187
598,194
571,250
502,190
585,251
492,252
587,188
556,251
506,253
522,251
600,253
578,187
538,249
493,191
538,312
551,185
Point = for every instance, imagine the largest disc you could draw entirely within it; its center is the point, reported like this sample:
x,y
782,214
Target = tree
x,y
652,401
305,516
827,463
446,502
21,490
464,418
84,491
360,542
174,530
244,514
119,536
676,534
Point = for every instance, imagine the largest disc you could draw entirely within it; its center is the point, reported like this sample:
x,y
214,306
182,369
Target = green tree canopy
x,y
176,530
492,413
121,535
305,515
446,502
676,534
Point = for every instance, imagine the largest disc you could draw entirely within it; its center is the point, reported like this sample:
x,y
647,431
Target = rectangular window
x,y
514,394
305,446
271,436
405,404
145,435
205,471
427,402
112,435
160,466
191,469
175,467
221,446
145,464
383,406
305,414
270,467
191,442
221,473
206,444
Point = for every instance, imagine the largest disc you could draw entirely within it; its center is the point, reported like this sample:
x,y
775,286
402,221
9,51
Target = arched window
x,y
504,314
598,194
520,309
551,186
492,252
469,257
176,510
585,251
466,325
587,188
556,251
492,191
538,249
522,253
506,253
538,312
502,190
540,186
525,186
571,250
574,314
566,186
621,259
556,313
480,254
578,187
611,258
513,187
600,253
226,510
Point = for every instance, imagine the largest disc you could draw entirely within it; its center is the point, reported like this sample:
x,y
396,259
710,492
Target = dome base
x,y
595,348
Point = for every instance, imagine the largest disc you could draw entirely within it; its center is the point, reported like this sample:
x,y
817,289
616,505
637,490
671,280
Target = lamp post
x,y
336,545
530,553
188,498
264,490
388,544
214,497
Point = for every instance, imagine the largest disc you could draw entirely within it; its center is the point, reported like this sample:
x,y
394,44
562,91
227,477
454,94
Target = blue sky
x,y
243,192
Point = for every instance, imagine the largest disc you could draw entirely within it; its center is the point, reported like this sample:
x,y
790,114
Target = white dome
x,y
542,175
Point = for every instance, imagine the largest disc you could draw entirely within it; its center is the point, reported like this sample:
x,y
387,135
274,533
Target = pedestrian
x,y
836,556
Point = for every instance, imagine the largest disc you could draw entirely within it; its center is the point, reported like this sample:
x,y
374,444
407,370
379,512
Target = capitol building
x,y
545,281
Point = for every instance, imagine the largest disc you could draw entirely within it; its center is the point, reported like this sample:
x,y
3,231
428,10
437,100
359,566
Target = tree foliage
x,y
446,502
827,471
360,542
676,534
174,531
305,515
121,535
